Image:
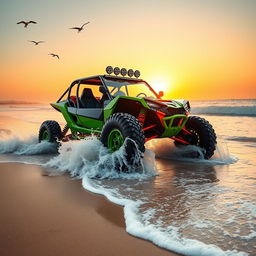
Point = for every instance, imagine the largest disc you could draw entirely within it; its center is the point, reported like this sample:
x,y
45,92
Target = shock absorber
x,y
141,117
65,130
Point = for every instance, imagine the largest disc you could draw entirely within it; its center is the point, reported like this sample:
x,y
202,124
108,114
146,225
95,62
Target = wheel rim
x,y
115,140
45,135
193,138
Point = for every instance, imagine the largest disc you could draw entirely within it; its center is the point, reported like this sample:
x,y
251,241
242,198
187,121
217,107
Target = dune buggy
x,y
116,108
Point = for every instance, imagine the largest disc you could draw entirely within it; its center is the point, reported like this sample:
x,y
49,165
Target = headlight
x,y
187,106
116,71
130,72
137,73
123,72
109,70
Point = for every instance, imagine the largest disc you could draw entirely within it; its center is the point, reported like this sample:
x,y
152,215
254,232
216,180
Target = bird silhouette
x,y
37,42
26,23
79,29
54,55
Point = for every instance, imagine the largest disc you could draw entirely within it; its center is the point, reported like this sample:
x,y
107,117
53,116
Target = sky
x,y
189,49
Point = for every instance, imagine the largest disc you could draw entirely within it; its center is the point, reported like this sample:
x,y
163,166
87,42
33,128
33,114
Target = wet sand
x,y
42,215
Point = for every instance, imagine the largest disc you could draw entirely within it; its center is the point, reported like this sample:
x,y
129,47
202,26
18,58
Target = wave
x,y
249,111
17,102
242,139
5,132
28,146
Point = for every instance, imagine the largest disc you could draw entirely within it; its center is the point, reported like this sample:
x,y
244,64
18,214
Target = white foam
x,y
29,146
171,241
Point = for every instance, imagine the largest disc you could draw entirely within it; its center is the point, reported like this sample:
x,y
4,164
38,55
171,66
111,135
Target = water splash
x,y
165,149
29,146
90,158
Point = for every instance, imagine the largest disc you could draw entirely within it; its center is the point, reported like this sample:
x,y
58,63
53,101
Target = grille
x,y
175,111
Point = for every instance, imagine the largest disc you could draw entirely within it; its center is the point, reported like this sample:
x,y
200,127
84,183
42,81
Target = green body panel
x,y
62,107
90,123
110,108
178,104
171,130
87,125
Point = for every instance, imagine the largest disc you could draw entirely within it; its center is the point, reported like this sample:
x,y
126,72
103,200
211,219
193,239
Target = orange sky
x,y
189,49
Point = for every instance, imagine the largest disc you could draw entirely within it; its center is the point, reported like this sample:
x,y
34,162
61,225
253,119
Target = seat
x,y
87,99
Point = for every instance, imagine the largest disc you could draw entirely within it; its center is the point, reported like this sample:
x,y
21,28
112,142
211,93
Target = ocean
x,y
189,206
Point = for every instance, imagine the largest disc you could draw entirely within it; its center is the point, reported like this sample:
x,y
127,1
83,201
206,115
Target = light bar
x,y
123,71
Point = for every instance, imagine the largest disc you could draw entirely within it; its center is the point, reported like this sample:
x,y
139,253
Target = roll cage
x,y
99,80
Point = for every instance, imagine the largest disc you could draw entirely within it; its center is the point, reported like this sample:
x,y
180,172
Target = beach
x,y
54,215
73,201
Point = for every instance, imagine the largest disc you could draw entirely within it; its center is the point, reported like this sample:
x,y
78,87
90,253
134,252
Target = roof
x,y
96,80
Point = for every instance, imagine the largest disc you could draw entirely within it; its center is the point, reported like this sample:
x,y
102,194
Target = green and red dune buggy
x,y
119,107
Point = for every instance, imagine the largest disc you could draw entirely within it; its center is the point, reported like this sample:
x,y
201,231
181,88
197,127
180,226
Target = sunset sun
x,y
161,83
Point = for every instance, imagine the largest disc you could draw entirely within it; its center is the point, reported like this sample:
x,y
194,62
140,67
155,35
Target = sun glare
x,y
160,84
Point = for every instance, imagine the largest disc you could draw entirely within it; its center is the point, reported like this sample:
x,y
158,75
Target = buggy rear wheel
x,y
50,131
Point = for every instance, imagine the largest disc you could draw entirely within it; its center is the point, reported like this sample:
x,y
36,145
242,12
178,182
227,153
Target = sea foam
x,y
29,146
171,241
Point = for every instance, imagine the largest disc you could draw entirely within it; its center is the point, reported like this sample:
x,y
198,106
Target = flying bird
x,y
54,55
79,29
37,42
26,22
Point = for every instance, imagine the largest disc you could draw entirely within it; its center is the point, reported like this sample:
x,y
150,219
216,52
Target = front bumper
x,y
173,125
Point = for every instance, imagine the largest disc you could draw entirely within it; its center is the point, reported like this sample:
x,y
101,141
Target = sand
x,y
42,215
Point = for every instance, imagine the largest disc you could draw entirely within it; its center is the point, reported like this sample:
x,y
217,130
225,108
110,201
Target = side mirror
x,y
161,94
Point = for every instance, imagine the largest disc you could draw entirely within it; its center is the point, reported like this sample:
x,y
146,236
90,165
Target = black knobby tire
x,y
52,128
203,135
130,128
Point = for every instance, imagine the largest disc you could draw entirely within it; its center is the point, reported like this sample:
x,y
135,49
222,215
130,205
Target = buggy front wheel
x,y
198,132
123,129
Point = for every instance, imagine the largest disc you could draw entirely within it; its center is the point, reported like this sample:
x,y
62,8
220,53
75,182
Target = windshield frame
x,y
131,80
